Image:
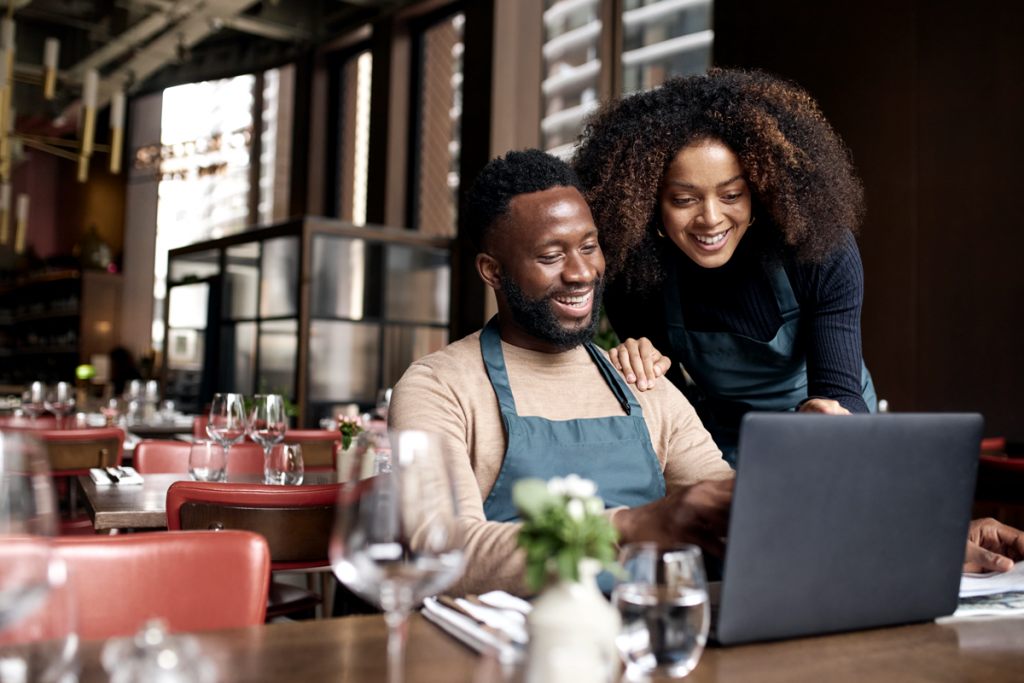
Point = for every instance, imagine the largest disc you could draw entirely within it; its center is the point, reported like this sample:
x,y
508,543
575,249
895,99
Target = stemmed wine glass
x,y
37,620
60,400
227,423
267,425
33,400
396,539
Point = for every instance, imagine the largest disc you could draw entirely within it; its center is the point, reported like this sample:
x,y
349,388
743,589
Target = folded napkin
x,y
119,476
494,622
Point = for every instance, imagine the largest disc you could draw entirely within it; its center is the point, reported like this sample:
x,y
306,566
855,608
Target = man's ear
x,y
490,270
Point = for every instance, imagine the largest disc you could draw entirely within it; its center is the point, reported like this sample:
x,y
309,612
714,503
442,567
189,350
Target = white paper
x,y
973,585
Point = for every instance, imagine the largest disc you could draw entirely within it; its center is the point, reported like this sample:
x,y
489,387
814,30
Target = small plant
x,y
349,427
563,522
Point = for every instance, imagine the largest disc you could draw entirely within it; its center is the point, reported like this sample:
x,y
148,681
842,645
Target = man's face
x,y
552,268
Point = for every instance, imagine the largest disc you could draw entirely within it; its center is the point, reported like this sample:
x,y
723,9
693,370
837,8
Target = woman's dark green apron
x,y
736,374
614,452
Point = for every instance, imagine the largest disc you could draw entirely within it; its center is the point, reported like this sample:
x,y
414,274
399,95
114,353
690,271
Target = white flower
x,y
576,510
594,505
577,487
556,486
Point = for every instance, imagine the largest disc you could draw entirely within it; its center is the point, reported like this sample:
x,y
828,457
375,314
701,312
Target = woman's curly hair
x,y
800,172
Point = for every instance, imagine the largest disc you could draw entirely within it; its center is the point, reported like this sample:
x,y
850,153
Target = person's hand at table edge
x,y
696,514
639,362
992,546
823,405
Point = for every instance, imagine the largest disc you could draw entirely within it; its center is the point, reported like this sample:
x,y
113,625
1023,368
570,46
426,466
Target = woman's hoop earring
x,y
661,234
752,219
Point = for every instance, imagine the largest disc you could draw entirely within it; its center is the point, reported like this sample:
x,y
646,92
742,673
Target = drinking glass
x,y
665,609
267,425
227,423
43,645
284,465
208,461
33,400
383,403
28,520
60,400
396,539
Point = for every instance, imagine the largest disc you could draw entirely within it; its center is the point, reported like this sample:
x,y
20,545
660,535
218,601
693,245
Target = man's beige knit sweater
x,y
449,392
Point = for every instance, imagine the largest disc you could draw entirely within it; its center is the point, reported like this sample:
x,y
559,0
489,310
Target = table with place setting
x,y
144,506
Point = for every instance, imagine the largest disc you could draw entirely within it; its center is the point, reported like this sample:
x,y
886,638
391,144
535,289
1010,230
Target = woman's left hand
x,y
823,405
992,546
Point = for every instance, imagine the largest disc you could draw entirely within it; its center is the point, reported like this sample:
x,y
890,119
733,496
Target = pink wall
x,y
39,175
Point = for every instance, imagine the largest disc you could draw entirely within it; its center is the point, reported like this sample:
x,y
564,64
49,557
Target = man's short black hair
x,y
507,177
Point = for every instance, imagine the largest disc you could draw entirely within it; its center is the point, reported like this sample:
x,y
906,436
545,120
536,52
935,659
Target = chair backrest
x,y
295,520
22,422
199,423
1000,480
154,456
193,581
74,451
317,447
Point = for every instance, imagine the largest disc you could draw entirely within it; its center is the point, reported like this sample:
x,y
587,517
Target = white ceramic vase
x,y
572,632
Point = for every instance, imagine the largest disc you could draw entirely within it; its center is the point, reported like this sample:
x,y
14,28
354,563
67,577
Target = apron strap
x,y
789,307
611,376
494,360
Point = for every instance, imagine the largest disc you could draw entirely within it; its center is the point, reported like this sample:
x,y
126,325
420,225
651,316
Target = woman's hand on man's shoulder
x,y
639,362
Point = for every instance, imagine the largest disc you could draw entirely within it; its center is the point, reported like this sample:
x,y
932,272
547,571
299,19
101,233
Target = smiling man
x,y
531,396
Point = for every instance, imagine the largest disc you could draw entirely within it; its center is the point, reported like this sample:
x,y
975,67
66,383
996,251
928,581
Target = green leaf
x,y
346,441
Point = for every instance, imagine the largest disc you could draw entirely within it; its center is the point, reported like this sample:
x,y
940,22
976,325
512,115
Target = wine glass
x,y
397,539
665,609
28,520
33,400
383,403
60,400
227,423
267,425
43,644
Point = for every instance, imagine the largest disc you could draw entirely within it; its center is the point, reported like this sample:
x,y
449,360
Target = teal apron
x,y
614,452
735,374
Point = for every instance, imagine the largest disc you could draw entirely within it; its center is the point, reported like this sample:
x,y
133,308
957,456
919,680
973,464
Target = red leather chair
x,y
21,422
72,452
154,456
318,447
191,580
295,520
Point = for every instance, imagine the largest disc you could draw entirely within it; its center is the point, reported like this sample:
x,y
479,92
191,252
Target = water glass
x,y
284,465
666,614
208,461
383,403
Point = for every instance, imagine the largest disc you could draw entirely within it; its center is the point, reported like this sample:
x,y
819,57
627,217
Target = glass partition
x,y
376,299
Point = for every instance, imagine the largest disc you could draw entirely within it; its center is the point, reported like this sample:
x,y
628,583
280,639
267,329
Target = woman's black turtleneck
x,y
738,298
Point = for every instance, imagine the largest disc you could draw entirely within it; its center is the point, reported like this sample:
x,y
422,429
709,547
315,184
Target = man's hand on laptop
x,y
696,514
992,547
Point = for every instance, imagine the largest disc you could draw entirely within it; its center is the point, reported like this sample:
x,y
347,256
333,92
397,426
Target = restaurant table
x,y
145,506
354,649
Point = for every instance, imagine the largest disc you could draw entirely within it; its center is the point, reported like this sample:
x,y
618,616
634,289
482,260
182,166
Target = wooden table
x,y
353,649
145,506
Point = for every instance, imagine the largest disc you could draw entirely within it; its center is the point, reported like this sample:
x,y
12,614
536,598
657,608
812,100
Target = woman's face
x,y
705,203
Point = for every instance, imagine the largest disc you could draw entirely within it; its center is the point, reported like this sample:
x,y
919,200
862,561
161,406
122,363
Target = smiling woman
x,y
726,206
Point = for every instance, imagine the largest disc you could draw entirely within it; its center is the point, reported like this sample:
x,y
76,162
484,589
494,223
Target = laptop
x,y
846,522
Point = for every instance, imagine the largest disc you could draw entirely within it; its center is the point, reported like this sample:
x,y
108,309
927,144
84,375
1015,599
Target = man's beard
x,y
537,318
